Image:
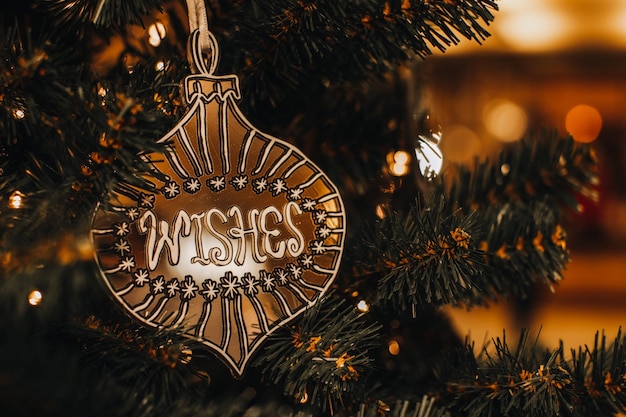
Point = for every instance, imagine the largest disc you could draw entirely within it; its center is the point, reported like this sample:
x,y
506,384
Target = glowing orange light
x,y
505,120
16,200
362,306
156,32
18,114
584,123
394,347
34,298
398,163
461,145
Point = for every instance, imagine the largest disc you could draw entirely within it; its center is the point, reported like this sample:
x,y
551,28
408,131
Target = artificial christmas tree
x,y
90,91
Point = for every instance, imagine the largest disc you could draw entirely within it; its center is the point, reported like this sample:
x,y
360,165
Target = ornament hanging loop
x,y
202,51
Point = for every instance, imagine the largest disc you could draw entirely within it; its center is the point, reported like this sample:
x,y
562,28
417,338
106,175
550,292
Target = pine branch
x,y
154,363
322,358
288,44
539,166
529,381
438,253
424,408
68,140
426,258
110,14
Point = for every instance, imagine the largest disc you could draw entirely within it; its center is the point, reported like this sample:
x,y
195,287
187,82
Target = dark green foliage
x,y
427,258
303,43
324,356
107,14
530,381
498,232
540,166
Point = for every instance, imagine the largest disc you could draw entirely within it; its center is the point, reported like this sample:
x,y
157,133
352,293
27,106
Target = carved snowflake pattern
x,y
121,247
216,184
295,271
323,232
188,288
146,200
278,186
308,204
306,261
170,190
294,194
157,285
121,229
250,284
127,264
268,281
317,247
210,290
239,182
319,216
191,185
172,287
132,213
230,283
281,276
259,185
141,277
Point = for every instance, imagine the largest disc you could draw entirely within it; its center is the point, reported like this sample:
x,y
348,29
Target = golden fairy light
x,y
505,120
160,66
363,306
34,298
584,123
381,211
16,200
399,163
18,114
156,32
394,347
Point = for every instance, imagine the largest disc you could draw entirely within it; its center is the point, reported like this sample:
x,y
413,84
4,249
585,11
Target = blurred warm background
x,y
558,64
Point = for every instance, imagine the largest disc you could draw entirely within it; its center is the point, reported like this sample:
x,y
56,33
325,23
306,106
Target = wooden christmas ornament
x,y
242,234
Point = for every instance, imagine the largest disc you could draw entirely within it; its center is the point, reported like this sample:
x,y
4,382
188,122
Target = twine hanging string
x,y
202,42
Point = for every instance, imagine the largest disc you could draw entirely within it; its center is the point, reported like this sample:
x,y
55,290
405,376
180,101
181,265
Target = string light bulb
x,y
428,154
156,32
35,297
394,347
399,163
16,200
18,114
363,306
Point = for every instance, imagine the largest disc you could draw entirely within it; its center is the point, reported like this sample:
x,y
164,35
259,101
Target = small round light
x,y
156,32
362,306
18,114
583,123
394,347
160,66
16,200
399,169
505,120
34,298
401,157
